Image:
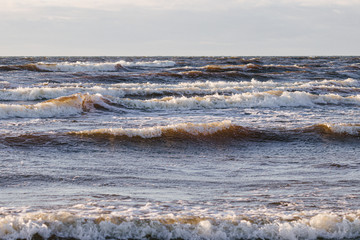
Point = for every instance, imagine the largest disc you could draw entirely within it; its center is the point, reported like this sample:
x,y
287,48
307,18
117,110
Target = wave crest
x,y
62,106
340,129
86,66
214,130
270,99
105,66
183,88
224,130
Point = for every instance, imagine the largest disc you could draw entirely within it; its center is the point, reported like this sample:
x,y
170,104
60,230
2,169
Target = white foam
x,y
109,226
156,63
285,66
227,67
350,82
4,83
342,128
103,66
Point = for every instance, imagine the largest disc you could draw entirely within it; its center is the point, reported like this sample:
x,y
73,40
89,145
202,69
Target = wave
x,y
42,93
70,225
224,130
28,67
87,66
4,84
340,129
355,65
183,88
268,99
242,67
230,67
62,106
214,130
130,89
33,139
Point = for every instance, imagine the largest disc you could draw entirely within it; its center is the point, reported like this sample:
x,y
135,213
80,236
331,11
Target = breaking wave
x,y
184,88
69,225
340,129
42,93
243,67
223,130
230,67
269,99
62,106
214,130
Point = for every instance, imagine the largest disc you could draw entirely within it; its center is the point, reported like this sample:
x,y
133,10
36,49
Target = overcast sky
x,y
179,27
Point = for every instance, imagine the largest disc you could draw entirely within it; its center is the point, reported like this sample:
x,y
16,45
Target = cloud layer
x,y
115,5
179,27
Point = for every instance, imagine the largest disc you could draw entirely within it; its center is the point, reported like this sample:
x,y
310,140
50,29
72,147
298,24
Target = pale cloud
x,y
189,5
114,5
251,4
318,3
179,27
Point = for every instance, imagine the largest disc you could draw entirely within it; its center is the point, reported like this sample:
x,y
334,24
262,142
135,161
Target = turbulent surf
x,y
179,147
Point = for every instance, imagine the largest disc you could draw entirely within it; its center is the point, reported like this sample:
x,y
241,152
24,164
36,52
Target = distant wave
x,y
230,67
28,67
87,66
242,67
80,66
71,225
249,66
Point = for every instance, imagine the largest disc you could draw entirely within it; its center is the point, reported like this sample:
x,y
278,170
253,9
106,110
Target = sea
x,y
179,148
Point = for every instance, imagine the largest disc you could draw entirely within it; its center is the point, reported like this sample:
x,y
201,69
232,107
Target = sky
x,y
179,27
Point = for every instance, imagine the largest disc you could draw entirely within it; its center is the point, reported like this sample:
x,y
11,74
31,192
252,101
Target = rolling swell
x,y
222,131
183,131
213,132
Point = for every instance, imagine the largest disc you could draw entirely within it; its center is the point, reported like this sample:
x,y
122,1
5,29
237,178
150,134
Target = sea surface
x,y
179,148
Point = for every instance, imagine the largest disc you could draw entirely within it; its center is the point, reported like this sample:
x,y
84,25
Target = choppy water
x,y
179,148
